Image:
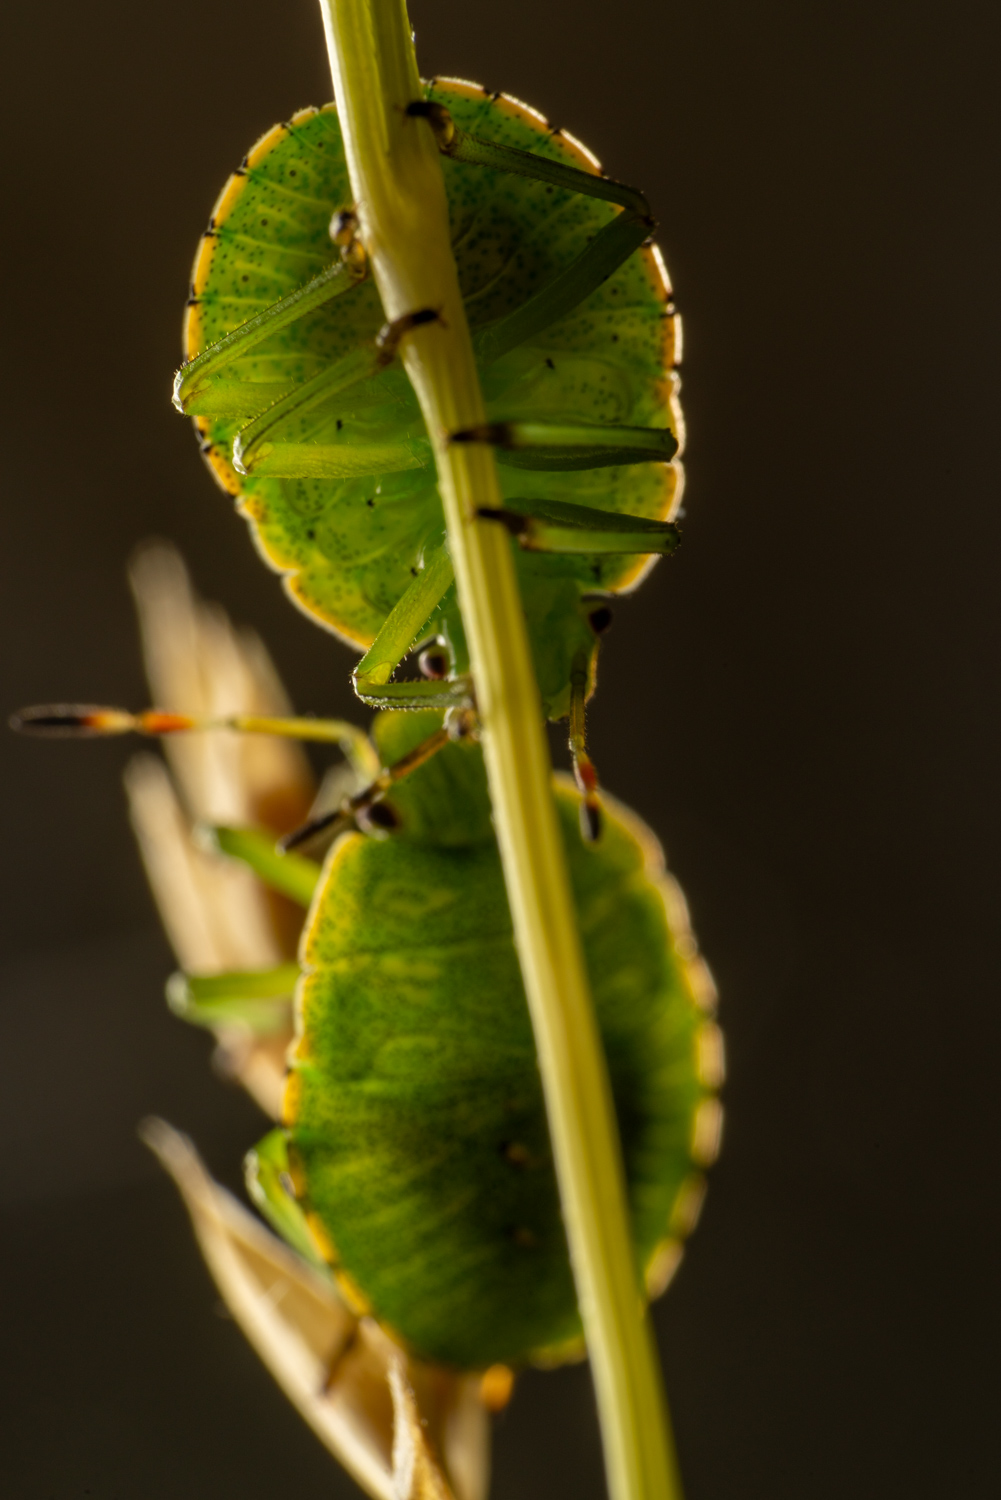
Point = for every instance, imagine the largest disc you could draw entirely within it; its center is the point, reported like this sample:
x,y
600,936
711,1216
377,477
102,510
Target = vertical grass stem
x,y
397,180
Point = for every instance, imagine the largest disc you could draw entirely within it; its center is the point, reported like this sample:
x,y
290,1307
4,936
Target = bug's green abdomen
x,y
349,544
415,1110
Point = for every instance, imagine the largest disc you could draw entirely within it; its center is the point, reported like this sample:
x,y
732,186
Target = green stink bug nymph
x,y
414,1159
306,419
414,1112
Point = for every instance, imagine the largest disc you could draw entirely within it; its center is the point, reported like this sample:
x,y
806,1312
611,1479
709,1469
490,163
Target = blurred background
x,y
803,703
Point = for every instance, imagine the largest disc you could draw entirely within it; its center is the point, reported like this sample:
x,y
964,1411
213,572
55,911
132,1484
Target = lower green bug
x,y
414,1160
303,415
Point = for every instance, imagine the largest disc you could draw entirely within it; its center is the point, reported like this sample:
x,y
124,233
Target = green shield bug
x,y
414,1117
306,418
413,1162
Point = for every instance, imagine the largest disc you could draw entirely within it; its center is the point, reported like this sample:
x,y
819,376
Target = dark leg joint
x,y
498,434
390,334
438,118
514,523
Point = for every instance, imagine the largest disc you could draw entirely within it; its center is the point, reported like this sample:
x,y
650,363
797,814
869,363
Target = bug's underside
x,y
417,1124
350,543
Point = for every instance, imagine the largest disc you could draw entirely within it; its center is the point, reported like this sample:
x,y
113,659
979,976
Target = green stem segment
x,y
397,180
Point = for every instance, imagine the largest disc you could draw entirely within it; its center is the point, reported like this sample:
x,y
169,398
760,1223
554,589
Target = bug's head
x,y
445,800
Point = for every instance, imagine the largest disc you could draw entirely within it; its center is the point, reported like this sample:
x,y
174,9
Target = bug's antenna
x,y
87,720
583,766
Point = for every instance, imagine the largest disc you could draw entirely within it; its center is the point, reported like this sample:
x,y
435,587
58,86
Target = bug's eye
x,y
600,619
378,818
434,663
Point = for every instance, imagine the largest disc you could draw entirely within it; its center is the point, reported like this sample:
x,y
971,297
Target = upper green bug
x,y
304,417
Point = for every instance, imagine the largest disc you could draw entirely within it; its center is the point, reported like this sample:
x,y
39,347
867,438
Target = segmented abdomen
x,y
348,547
418,1131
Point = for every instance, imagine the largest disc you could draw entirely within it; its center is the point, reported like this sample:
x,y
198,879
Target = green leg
x,y
402,628
606,252
571,445
610,247
553,526
269,1183
257,999
259,447
263,446
289,874
460,145
198,389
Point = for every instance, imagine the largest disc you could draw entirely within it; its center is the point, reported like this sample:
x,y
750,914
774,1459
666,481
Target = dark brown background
x,y
803,703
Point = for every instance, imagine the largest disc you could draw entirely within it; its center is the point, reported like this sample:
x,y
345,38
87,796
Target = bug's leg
x,y
256,999
289,874
271,1186
610,247
460,145
608,250
571,445
583,766
259,447
554,526
403,625
366,809
200,387
198,390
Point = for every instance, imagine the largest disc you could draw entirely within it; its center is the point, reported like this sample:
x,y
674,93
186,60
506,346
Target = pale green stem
x,y
397,179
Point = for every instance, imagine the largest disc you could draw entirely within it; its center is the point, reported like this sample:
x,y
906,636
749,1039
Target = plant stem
x,y
398,183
